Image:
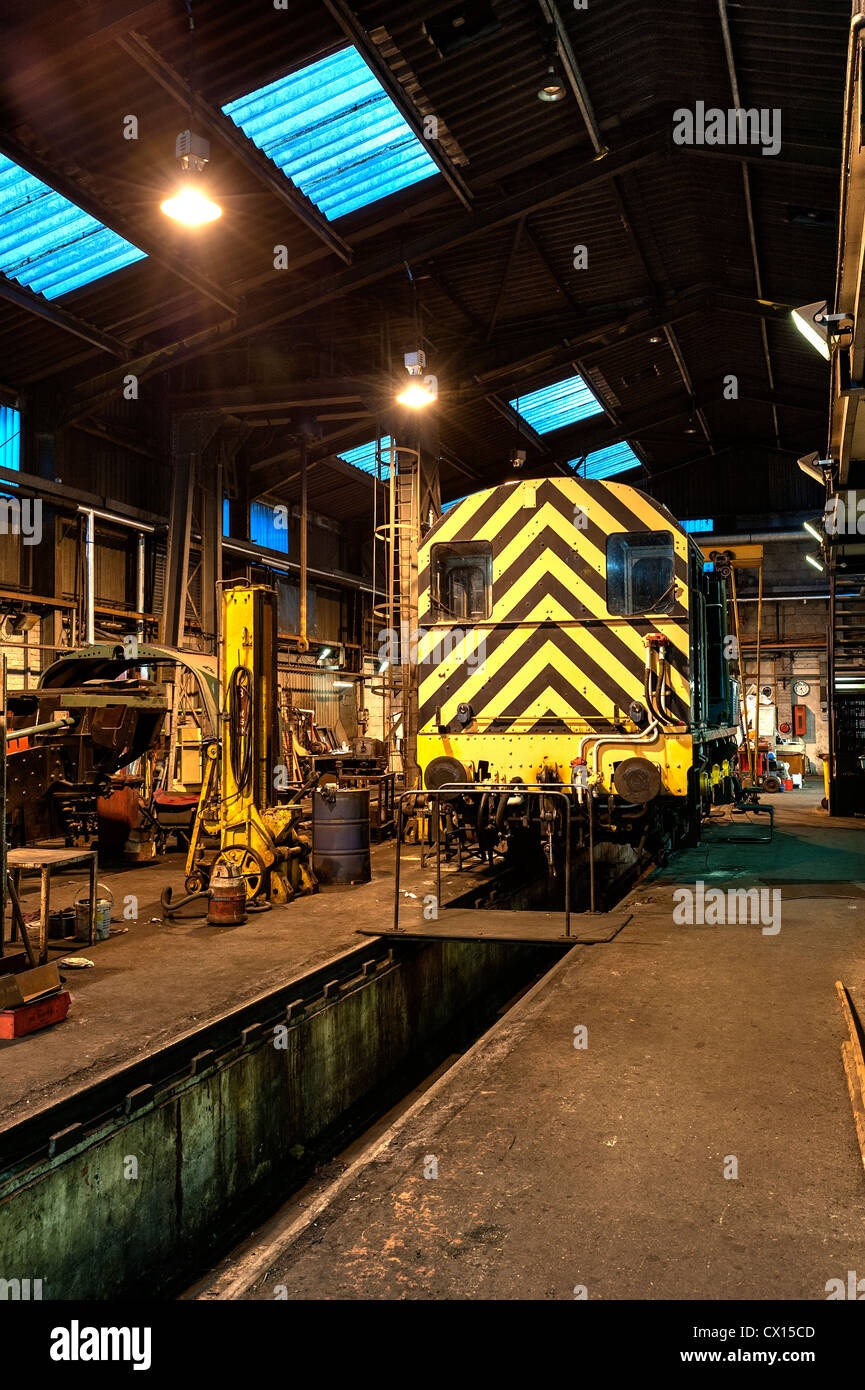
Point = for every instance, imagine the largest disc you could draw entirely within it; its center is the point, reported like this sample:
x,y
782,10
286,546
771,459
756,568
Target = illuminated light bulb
x,y
190,207
416,395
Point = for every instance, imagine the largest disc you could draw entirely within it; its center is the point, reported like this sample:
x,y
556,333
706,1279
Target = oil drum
x,y
227,896
340,835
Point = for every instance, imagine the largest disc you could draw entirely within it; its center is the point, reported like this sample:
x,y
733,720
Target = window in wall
x,y
10,438
640,573
268,526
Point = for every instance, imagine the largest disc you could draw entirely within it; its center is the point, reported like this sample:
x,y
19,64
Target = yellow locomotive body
x,y
569,626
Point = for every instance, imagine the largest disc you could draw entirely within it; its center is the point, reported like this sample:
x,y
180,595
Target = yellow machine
x,y
573,638
237,807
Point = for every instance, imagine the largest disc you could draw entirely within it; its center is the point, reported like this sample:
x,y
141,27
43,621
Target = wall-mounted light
x,y
190,205
812,560
421,390
812,531
322,656
820,329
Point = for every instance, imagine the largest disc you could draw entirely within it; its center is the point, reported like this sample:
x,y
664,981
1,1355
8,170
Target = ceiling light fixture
x,y
190,205
552,88
419,392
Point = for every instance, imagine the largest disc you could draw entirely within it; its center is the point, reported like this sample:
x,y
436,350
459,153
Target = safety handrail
x,y
484,789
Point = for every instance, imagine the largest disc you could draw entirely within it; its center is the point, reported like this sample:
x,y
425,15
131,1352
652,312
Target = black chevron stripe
x,y
451,687
550,586
549,676
548,539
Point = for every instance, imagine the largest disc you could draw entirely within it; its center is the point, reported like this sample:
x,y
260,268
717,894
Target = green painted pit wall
x,y
223,1147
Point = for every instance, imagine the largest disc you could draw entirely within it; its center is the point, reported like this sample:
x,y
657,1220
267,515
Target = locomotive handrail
x,y
483,789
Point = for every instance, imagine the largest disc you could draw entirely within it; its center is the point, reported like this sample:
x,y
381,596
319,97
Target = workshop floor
x,y
161,979
534,1169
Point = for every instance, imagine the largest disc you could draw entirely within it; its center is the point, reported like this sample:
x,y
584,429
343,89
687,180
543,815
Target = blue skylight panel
x,y
563,403
606,463
49,244
364,457
333,130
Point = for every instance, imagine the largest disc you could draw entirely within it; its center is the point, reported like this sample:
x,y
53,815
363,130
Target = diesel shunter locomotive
x,y
574,641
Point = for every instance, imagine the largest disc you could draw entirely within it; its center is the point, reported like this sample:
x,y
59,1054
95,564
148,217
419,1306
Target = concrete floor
x,y
604,1169
161,980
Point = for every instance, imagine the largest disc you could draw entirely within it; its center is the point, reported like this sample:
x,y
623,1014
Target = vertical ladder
x,y
398,614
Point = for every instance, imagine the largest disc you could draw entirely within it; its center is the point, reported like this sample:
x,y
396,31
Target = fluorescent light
x,y
806,320
322,656
812,560
342,685
812,531
190,207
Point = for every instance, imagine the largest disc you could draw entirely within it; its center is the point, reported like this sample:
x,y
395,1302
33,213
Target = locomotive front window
x,y
640,573
462,581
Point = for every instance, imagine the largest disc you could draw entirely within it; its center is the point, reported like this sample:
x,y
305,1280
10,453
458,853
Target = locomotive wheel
x,y
250,864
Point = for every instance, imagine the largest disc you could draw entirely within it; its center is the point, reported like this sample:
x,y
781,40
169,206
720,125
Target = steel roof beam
x,y
357,35
51,313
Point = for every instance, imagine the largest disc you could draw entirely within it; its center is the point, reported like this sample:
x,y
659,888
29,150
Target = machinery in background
x,y
68,739
239,820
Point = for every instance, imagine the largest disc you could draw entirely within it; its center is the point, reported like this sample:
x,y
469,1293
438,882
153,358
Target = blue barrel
x,y
340,835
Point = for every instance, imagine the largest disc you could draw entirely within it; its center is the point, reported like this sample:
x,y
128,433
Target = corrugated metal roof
x,y
553,407
10,437
364,456
333,130
49,244
606,463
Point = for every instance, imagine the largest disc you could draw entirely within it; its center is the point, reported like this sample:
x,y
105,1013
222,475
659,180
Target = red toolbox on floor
x,y
28,1018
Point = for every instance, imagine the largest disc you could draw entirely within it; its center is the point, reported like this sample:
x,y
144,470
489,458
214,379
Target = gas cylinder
x,y
227,896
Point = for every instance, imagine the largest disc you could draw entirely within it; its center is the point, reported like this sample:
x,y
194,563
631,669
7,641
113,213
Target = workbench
x,y
45,860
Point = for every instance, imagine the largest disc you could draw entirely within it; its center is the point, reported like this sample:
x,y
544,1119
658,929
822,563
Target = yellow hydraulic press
x,y
266,842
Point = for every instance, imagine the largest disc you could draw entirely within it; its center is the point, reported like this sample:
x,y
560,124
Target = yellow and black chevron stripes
x,y
524,520
550,655
580,672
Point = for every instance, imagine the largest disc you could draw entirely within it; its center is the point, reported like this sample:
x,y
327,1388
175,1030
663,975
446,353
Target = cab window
x,y
640,573
462,581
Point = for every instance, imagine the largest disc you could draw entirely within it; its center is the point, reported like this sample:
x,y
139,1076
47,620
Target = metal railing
x,y
435,798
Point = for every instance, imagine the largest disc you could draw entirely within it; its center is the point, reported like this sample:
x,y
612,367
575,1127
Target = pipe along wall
x,y
142,1189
